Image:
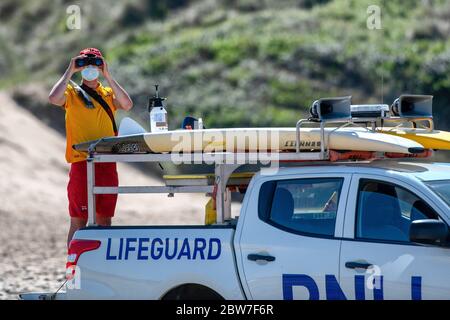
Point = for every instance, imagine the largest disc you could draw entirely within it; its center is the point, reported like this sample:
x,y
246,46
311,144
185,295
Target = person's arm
x,y
121,98
57,96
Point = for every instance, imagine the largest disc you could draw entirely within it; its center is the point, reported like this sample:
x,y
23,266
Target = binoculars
x,y
89,60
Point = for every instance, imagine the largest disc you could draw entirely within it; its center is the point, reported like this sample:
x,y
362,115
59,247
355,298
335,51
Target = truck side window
x,y
385,211
303,205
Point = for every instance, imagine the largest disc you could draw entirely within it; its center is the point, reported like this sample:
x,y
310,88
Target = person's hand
x,y
73,67
104,69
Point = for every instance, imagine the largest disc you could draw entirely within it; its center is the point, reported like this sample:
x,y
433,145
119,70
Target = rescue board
x,y
252,139
436,139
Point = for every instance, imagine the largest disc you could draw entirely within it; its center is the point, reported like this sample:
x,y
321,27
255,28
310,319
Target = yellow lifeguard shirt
x,y
84,124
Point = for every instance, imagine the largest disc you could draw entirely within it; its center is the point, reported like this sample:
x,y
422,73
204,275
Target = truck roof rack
x,y
225,164
223,171
323,112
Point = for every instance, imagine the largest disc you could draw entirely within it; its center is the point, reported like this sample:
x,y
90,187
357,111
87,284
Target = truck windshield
x,y
442,188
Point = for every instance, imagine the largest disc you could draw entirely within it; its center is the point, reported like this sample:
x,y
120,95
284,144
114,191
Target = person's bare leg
x,y
103,221
75,224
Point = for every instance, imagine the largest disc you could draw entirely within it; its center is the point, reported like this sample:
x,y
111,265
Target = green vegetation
x,y
240,62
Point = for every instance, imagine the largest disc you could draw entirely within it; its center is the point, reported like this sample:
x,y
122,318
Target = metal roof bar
x,y
153,189
210,158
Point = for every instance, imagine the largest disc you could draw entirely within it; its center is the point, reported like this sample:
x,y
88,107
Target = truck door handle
x,y
255,257
357,265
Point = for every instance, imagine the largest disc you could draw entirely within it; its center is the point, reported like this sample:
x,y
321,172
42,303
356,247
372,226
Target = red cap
x,y
91,51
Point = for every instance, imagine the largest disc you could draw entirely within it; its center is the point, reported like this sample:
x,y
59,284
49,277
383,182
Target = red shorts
x,y
105,176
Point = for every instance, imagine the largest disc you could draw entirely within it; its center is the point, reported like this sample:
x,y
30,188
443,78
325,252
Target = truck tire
x,y
192,291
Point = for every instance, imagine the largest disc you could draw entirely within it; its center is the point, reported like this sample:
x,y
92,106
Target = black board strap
x,y
103,103
83,95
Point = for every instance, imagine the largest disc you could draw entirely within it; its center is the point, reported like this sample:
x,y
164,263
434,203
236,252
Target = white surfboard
x,y
253,139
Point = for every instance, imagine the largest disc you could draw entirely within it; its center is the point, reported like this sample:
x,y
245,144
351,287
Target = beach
x,y
34,216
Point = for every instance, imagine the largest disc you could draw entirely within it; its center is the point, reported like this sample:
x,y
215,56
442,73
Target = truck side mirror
x,y
428,231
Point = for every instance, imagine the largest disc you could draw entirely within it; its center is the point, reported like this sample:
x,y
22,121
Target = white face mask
x,y
90,73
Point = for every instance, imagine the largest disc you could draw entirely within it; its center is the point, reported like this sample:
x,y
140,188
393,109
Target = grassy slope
x,y
244,62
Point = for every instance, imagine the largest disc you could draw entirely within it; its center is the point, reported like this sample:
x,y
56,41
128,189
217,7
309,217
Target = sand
x,y
33,203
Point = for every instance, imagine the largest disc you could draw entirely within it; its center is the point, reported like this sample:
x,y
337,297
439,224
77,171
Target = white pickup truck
x,y
333,231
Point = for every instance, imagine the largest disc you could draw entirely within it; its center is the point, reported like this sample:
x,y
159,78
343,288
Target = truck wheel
x,y
192,291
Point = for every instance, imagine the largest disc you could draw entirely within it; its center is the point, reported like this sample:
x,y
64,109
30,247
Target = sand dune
x,y
33,203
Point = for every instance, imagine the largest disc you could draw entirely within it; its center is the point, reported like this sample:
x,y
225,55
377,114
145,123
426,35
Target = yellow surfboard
x,y
436,139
